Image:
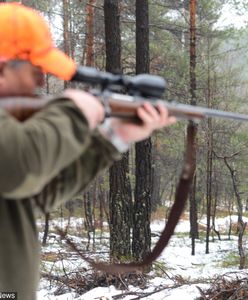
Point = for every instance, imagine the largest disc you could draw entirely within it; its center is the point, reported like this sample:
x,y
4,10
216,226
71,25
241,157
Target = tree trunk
x,y
102,205
120,197
156,193
66,31
120,211
142,204
193,217
46,229
214,212
112,35
88,208
143,189
192,127
241,224
90,33
209,183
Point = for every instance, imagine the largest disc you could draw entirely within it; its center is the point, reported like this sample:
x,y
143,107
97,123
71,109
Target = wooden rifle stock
x,y
121,106
23,108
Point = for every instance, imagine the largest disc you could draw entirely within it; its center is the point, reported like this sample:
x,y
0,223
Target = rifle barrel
x,y
225,115
197,112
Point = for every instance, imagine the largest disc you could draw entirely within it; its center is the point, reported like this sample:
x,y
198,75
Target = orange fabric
x,y
24,34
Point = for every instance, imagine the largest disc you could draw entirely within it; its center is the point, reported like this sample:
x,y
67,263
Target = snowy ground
x,y
175,266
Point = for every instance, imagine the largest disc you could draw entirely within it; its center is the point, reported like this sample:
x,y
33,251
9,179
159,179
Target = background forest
x,y
155,36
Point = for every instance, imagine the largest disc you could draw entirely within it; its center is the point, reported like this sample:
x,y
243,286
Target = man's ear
x,y
2,67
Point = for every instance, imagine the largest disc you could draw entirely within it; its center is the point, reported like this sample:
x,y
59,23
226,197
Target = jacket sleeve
x,y
99,155
34,152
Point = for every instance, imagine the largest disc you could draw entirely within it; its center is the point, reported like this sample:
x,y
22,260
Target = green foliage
x,y
159,268
232,259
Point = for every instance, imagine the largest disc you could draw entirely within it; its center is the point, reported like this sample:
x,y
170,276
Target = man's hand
x,y
151,118
88,104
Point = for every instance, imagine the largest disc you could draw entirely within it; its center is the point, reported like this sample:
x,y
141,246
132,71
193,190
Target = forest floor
x,y
176,274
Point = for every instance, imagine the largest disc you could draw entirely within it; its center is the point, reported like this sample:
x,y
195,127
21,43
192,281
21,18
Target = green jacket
x,y
43,162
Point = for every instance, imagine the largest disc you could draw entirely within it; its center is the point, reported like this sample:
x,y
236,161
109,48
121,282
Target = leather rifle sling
x,y
182,192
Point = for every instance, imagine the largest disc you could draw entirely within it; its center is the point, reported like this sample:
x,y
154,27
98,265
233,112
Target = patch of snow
x,y
175,261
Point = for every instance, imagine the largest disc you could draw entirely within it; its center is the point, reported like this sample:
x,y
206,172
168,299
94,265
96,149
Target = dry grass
x,y
227,287
162,213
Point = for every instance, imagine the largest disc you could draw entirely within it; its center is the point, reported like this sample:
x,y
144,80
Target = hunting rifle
x,y
121,96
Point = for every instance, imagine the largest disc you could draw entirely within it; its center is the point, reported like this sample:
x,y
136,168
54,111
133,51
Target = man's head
x,y
26,48
19,78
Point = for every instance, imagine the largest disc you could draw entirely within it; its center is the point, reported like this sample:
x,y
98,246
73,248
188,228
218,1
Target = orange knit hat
x,y
24,34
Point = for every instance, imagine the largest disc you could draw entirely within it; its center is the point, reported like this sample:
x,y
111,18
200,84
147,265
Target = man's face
x,y
19,78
